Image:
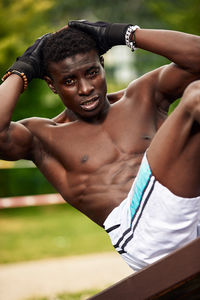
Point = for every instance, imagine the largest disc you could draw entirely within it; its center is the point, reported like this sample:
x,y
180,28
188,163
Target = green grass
x,y
33,233
68,296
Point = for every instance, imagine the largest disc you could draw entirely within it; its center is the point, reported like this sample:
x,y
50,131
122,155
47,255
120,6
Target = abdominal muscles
x,y
97,193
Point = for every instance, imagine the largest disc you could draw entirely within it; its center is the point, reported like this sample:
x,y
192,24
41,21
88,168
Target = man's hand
x,y
30,62
105,34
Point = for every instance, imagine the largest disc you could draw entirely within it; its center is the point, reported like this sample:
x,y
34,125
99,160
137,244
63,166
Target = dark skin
x,y
91,152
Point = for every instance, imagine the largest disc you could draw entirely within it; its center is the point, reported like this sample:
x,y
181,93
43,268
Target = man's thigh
x,y
174,154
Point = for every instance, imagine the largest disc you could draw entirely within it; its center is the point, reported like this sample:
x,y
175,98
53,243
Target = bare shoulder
x,y
38,127
146,82
163,85
116,96
35,123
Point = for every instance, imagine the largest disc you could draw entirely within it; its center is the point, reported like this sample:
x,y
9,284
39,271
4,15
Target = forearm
x,y
10,91
27,67
181,48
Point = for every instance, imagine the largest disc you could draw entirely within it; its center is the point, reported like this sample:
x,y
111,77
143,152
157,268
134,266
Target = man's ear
x,y
49,81
102,61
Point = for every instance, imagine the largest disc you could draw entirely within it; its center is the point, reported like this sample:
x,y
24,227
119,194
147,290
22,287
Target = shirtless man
x,y
93,151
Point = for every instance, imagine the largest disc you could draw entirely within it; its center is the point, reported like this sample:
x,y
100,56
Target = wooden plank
x,y
176,275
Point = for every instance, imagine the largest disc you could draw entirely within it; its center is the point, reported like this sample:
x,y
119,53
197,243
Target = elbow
x,y
191,100
3,136
193,58
4,125
4,132
194,66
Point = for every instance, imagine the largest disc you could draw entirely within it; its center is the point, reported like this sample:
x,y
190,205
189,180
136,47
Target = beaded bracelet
x,y
130,37
22,75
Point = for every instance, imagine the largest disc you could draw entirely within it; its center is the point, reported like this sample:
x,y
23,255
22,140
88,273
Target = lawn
x,y
68,296
31,233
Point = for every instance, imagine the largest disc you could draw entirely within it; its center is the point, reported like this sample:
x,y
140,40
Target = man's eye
x,y
93,73
69,81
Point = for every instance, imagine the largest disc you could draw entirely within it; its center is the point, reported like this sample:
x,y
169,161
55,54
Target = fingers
x,y
65,27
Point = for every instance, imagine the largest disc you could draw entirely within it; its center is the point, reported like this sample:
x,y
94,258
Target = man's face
x,y
80,82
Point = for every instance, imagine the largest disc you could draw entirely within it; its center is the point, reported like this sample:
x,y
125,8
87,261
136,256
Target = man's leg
x,y
174,154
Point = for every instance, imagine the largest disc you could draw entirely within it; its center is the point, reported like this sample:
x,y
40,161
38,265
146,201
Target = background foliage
x,y
21,22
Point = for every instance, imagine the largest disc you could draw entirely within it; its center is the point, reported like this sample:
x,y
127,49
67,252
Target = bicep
x,y
172,81
15,142
163,85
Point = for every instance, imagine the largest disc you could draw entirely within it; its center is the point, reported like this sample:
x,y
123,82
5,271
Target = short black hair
x,y
66,43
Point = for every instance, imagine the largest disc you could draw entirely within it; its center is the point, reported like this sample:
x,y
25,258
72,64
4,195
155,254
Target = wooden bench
x,y
177,276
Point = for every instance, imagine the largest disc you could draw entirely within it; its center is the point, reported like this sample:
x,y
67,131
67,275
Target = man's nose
x,y
85,87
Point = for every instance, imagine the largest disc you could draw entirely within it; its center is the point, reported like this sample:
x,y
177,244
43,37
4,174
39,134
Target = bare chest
x,y
93,165
85,148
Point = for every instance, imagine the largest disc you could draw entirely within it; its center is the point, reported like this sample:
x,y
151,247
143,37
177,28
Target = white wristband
x,y
131,43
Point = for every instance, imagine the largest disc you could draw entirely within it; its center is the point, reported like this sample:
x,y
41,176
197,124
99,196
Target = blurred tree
x,y
125,11
21,22
182,15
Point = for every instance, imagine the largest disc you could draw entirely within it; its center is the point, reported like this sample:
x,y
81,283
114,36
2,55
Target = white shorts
x,y
151,222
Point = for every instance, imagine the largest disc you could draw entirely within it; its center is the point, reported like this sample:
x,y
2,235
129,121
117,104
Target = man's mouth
x,y
90,104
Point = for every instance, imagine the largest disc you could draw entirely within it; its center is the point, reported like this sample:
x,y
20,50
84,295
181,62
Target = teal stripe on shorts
x,y
141,183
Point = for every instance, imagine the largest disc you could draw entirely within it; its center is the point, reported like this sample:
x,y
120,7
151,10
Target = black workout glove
x,y
30,62
105,34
